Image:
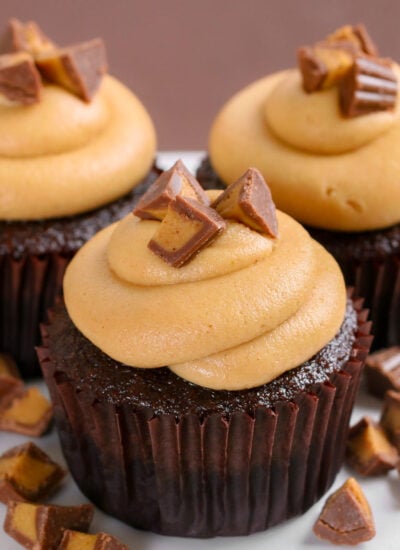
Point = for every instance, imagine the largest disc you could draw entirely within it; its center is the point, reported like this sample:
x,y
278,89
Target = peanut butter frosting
x,y
62,156
246,309
323,169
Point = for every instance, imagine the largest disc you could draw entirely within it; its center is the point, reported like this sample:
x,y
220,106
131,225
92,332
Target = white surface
x,y
383,493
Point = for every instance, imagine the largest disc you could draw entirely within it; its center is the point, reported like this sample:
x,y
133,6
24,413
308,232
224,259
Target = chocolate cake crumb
x,y
160,389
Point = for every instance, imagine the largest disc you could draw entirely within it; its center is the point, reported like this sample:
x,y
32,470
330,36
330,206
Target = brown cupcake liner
x,y
28,287
203,477
378,281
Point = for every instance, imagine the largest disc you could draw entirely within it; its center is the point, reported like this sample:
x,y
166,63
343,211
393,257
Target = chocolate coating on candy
x,y
27,473
24,37
73,540
369,451
346,517
368,46
248,200
20,81
370,85
78,68
390,418
26,412
382,371
185,230
38,526
176,181
357,36
325,63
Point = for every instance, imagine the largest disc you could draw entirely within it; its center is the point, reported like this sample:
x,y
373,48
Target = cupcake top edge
x,y
324,134
72,138
247,305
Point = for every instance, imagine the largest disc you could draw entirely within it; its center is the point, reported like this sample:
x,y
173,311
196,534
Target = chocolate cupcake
x,y
76,150
326,136
246,427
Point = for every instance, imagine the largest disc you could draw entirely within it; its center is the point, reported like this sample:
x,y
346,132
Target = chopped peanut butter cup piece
x,y
326,63
27,473
356,35
369,86
79,68
187,227
20,81
37,526
346,517
368,450
175,181
322,66
382,371
390,418
72,540
10,379
248,200
25,37
28,412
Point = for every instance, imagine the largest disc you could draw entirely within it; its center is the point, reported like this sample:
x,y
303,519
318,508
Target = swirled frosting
x,y
62,156
323,169
244,310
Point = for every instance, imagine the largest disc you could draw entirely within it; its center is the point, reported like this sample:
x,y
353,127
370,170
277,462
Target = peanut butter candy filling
x,y
27,473
346,517
38,526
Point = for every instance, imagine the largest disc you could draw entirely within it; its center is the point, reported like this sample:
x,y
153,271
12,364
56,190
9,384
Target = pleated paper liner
x,y
378,281
30,285
203,477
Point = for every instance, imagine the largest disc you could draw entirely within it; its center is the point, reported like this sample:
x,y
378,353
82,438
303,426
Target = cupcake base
x,y
164,455
33,259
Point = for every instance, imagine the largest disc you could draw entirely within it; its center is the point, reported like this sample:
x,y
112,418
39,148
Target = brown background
x,y
183,58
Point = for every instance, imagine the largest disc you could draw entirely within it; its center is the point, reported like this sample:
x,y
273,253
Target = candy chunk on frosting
x,y
142,267
278,294
313,122
62,157
324,170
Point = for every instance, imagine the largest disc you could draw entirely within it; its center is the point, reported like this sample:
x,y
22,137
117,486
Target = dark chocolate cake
x,y
165,393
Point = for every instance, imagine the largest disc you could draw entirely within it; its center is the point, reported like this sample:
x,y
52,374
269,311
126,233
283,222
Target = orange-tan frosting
x,y
323,169
63,156
244,310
